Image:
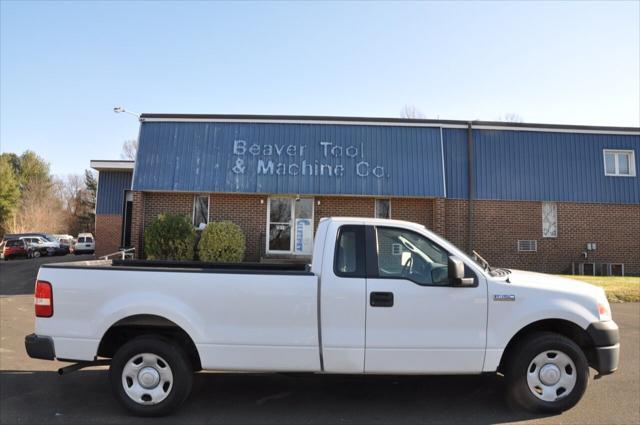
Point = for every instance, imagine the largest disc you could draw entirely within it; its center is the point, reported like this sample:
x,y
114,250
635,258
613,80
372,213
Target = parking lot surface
x,y
32,392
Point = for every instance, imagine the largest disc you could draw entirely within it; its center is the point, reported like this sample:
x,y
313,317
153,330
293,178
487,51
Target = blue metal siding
x,y
456,166
552,166
111,187
200,157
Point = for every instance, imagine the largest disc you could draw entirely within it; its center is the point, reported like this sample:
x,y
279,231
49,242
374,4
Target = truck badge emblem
x,y
504,297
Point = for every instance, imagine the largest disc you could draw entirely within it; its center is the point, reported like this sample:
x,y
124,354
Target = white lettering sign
x,y
275,159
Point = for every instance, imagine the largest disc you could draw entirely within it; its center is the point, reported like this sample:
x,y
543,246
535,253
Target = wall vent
x,y
527,245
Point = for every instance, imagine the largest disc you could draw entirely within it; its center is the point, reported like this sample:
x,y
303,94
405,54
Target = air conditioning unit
x,y
527,245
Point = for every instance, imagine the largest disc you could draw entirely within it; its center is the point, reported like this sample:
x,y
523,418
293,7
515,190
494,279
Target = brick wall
x,y
497,225
248,212
244,210
108,233
417,210
137,220
332,206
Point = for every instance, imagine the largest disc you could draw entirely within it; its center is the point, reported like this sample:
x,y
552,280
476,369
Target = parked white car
x,y
85,244
380,297
41,246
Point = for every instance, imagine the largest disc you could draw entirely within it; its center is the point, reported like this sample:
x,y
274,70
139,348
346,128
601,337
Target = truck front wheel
x,y
150,376
547,372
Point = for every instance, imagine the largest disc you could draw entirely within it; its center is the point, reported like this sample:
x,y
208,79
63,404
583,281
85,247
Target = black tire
x,y
518,367
176,359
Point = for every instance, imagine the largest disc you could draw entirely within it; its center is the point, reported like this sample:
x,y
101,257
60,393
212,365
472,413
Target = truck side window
x,y
349,255
403,254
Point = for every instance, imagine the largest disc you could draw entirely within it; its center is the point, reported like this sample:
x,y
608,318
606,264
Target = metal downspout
x,y
472,185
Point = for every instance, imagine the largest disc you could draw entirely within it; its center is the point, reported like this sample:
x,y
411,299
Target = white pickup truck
x,y
380,297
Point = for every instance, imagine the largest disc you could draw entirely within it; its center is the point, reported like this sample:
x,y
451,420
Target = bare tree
x,y
129,149
411,111
77,201
511,117
39,209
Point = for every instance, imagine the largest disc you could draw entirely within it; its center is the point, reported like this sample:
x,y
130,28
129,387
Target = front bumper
x,y
606,359
606,351
39,347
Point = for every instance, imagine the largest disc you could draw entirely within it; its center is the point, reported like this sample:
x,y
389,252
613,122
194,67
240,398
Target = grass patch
x,y
619,289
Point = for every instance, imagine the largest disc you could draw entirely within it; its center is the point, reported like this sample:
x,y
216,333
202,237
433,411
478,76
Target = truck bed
x,y
187,266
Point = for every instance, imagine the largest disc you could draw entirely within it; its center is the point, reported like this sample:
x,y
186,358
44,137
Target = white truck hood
x,y
554,283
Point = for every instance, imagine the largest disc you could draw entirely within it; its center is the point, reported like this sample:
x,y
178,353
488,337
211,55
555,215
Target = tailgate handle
x,y
381,299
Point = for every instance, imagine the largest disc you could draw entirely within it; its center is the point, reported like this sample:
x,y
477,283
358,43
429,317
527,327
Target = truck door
x,y
416,321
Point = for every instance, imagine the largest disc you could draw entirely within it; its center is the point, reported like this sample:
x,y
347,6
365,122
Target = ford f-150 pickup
x,y
380,297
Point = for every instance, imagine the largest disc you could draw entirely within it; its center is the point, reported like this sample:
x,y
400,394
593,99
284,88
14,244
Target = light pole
x,y
120,109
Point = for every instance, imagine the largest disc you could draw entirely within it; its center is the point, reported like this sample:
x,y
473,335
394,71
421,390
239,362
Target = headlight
x,y
604,310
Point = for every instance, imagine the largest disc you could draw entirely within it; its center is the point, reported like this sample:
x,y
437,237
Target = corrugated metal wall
x,y
455,161
528,165
367,160
111,187
508,164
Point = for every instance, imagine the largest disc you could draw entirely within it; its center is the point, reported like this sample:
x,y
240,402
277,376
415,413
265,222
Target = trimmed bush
x,y
170,237
222,242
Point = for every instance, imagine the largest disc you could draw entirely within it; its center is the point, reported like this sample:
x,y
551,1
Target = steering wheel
x,y
406,268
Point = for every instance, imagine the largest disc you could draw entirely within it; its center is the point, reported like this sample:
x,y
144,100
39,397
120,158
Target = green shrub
x,y
222,242
170,237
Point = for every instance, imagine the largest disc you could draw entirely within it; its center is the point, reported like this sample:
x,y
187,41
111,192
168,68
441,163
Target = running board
x,y
81,365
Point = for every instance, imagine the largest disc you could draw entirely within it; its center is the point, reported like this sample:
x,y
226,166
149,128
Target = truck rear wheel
x,y
547,372
150,376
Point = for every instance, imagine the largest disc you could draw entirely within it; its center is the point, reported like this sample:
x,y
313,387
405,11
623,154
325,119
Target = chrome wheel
x,y
147,379
551,375
36,254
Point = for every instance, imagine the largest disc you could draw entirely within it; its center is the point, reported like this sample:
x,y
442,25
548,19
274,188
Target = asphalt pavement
x,y
32,392
18,276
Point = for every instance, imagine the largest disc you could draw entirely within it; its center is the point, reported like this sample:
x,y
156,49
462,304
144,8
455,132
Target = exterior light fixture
x,y
120,110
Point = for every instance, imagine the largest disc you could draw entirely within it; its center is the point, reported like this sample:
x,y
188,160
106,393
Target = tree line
x,y
34,200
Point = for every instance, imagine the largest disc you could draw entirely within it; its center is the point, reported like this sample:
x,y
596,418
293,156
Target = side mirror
x,y
456,273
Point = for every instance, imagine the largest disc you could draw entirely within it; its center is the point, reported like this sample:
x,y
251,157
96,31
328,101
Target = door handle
x,y
381,299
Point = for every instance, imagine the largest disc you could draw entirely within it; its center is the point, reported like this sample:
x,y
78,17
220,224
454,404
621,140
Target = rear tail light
x,y
43,299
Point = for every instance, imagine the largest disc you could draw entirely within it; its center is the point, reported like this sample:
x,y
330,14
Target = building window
x,y
290,225
383,208
200,210
619,162
549,220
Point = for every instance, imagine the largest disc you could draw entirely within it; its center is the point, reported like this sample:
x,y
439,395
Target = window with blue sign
x,y
290,224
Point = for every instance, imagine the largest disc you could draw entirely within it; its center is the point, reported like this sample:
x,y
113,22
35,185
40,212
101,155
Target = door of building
x,y
125,240
290,226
